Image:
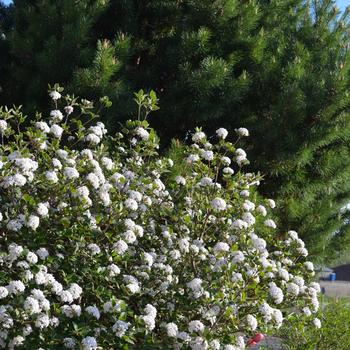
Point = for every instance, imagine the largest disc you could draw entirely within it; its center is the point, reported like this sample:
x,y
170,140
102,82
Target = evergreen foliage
x,y
6,24
279,68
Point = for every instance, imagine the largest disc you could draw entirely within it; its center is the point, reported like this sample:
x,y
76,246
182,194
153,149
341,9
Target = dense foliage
x,y
104,244
335,315
279,67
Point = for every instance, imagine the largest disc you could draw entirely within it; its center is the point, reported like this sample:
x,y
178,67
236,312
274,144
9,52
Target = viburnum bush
x,y
105,246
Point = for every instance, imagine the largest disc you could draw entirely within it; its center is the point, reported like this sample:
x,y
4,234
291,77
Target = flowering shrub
x,y
104,246
334,334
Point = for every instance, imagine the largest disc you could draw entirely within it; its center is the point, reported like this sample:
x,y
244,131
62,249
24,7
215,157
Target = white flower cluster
x,y
188,253
35,295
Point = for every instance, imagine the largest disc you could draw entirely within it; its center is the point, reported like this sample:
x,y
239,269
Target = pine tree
x,y
50,39
277,67
6,24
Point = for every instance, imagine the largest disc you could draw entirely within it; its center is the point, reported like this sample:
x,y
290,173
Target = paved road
x,y
336,288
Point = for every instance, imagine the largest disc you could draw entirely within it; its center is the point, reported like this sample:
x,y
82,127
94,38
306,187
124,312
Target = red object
x,y
251,343
258,337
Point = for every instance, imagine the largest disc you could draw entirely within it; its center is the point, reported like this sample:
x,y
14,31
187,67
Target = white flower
x,y
55,95
221,247
43,127
114,270
180,180
222,133
192,158
236,277
93,138
214,345
71,310
3,292
183,336
196,326
14,225
317,323
198,136
237,257
309,266
136,195
148,258
299,281
232,347
31,305
63,154
284,274
293,289
120,247
195,285
120,328
94,249
252,322
66,296
89,343
206,181
94,180
239,224
56,163
198,343
228,170
96,130
33,222
93,311
243,132
149,322
248,205
293,235
56,288
276,293
270,223
142,133
277,317
15,250
131,204
42,253
56,115
248,218
171,329
218,204
303,251
37,294
56,131
69,343
15,342
207,155
261,210
69,110
51,176
244,193
32,258
133,288
42,209
42,321
75,290
259,244
316,286
271,203
3,126
107,163
307,311
71,173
